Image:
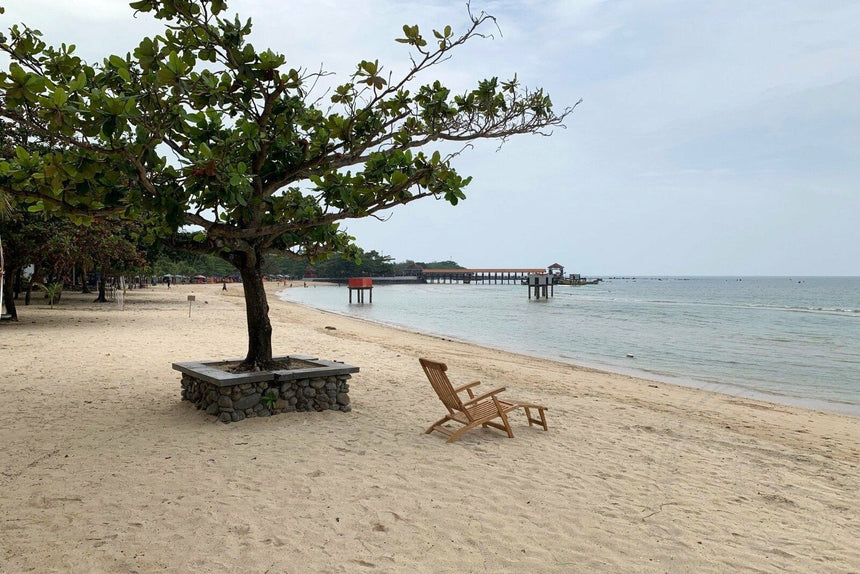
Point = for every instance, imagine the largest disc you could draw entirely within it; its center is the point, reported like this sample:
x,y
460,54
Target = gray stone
x,y
246,402
225,390
225,401
264,413
225,417
238,416
342,399
318,383
309,392
212,409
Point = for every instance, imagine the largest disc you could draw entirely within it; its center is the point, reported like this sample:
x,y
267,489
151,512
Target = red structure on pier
x,y
360,284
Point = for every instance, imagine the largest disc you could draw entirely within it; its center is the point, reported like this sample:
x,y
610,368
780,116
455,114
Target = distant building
x,y
556,270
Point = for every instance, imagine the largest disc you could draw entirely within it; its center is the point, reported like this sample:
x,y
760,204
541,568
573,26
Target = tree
x,y
202,129
108,247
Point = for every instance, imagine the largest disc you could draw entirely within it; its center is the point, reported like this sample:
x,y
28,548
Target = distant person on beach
x,y
223,285
168,282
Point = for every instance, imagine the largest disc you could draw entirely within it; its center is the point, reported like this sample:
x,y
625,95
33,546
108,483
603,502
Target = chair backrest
x,y
439,380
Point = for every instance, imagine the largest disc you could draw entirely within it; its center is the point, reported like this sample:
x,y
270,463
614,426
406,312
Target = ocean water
x,y
788,340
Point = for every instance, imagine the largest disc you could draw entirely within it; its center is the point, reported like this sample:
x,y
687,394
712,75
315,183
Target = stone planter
x,y
309,384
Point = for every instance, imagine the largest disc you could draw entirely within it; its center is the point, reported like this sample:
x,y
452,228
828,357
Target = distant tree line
x,y
336,266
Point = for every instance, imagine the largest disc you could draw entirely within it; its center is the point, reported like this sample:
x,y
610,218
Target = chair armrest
x,y
468,387
484,396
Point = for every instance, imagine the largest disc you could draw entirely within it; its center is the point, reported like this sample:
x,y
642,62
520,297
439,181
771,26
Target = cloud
x,y
714,137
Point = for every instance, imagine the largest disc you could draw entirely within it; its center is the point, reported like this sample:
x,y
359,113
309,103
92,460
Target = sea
x,y
789,340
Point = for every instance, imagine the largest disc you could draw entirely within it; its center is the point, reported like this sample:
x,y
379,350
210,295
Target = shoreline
x,y
104,469
722,388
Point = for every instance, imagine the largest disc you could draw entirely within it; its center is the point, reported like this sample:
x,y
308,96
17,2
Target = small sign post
x,y
191,299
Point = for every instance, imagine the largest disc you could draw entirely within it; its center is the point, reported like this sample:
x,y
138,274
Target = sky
x,y
713,138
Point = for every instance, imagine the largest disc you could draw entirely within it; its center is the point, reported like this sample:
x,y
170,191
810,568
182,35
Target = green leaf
x,y
78,82
59,96
142,6
399,178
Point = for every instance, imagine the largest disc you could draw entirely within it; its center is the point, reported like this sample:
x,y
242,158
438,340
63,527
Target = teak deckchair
x,y
477,410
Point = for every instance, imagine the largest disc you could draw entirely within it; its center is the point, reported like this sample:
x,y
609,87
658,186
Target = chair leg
x,y
504,418
541,413
440,422
457,434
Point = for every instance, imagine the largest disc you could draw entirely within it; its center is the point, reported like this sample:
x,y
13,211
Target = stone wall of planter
x,y
261,399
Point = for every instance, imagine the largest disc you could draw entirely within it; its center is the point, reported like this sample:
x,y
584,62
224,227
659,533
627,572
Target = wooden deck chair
x,y
477,410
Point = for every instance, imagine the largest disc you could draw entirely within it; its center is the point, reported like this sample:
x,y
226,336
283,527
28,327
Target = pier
x,y
478,275
554,273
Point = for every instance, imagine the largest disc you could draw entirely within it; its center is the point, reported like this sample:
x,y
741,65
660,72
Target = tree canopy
x,y
197,127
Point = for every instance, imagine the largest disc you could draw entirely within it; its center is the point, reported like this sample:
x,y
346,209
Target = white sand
x,y
104,469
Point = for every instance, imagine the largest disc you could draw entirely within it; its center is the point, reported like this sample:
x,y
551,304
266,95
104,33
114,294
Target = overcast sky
x,y
714,138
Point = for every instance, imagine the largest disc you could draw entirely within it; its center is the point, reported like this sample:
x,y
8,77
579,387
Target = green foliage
x,y
338,265
269,400
249,143
52,291
196,127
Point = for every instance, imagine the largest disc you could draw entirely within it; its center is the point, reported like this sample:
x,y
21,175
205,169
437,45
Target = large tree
x,y
201,128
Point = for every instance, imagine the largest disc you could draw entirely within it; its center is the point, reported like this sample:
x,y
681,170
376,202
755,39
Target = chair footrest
x,y
541,411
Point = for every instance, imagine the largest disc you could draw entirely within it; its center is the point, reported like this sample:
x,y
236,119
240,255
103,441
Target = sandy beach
x,y
104,469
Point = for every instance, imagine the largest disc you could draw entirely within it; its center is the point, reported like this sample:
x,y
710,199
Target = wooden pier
x,y
478,275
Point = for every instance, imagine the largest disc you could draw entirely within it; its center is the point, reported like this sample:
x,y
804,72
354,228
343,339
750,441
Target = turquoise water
x,y
795,341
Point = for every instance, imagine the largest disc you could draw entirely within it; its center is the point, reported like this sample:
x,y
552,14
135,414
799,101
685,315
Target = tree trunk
x,y
18,281
257,312
84,275
9,297
102,298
